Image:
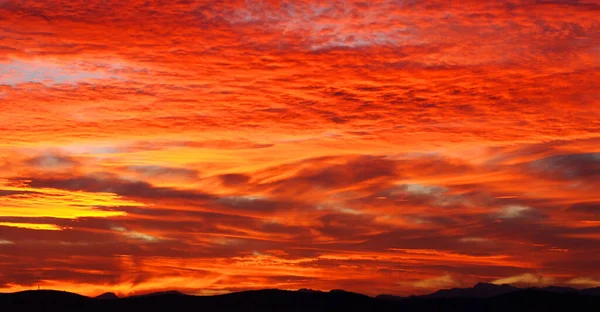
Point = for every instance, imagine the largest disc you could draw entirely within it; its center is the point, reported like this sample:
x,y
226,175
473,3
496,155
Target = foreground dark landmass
x,y
481,297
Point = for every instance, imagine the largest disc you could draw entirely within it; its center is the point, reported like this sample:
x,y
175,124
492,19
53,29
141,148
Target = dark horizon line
x,y
337,290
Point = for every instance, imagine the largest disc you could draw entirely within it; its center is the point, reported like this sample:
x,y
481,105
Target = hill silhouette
x,y
481,297
480,290
107,296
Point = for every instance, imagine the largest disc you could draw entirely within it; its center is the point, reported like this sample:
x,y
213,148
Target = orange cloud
x,y
383,147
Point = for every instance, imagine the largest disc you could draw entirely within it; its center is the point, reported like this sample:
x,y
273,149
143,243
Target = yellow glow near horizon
x,y
33,226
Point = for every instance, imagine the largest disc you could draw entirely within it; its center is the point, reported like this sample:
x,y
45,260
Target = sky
x,y
385,146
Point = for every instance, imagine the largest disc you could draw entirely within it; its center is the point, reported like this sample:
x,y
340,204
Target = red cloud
x,y
291,144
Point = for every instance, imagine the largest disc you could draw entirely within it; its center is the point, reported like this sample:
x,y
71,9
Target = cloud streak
x,y
228,145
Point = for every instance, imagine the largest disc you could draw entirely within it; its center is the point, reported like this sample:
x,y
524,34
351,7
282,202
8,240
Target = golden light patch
x,y
33,226
55,203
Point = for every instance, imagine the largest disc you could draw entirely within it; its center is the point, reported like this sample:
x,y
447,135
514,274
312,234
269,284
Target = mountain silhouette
x,y
556,289
106,296
308,290
591,291
480,290
481,297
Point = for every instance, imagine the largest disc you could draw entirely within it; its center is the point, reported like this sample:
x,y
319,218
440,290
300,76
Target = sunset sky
x,y
385,146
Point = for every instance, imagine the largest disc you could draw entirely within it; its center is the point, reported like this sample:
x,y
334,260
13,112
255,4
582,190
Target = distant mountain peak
x,y
338,291
308,290
479,290
107,296
491,286
484,285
